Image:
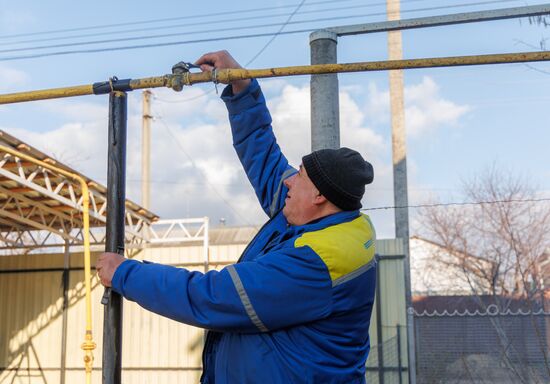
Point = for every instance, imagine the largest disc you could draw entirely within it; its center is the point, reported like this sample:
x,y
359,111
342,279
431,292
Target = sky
x,y
459,121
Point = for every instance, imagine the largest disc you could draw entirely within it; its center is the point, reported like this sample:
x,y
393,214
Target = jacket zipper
x,y
209,336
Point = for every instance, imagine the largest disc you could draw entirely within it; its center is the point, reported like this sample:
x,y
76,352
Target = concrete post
x,y
325,124
400,193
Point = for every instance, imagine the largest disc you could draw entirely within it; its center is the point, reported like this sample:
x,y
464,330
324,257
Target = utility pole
x,y
399,150
146,150
325,118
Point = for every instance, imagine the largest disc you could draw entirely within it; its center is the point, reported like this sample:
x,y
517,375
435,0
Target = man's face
x,y
300,201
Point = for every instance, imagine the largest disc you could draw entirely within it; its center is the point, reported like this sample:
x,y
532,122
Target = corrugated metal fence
x,y
155,349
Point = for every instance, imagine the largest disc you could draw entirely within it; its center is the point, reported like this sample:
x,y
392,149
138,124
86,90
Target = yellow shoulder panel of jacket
x,y
343,247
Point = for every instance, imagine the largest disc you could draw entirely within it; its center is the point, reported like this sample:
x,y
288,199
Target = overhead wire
x,y
149,37
219,38
415,206
150,21
237,213
146,37
232,20
225,29
154,45
458,204
263,49
249,61
203,175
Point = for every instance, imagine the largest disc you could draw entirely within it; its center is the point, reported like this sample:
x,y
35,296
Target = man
x,y
296,307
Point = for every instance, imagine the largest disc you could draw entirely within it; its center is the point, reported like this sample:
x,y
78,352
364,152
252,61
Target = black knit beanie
x,y
340,175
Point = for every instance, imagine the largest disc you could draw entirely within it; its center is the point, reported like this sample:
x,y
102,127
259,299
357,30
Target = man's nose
x,y
288,181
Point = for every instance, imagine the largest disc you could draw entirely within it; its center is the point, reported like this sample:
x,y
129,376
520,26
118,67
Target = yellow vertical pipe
x,y
89,345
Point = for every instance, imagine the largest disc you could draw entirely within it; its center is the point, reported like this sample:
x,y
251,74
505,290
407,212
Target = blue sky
x,y
460,121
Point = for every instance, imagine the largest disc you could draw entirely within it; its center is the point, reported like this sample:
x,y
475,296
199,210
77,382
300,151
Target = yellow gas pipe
x,y
88,346
226,75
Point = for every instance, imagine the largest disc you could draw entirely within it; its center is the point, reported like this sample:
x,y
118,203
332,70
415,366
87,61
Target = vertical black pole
x,y
379,334
114,242
65,280
399,364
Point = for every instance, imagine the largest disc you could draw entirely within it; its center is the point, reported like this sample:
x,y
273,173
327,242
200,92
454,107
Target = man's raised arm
x,y
253,138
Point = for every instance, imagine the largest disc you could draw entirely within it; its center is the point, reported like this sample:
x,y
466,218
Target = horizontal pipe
x,y
228,75
442,20
318,69
45,94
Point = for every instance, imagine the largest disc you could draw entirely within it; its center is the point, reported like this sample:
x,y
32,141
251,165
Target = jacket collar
x,y
323,222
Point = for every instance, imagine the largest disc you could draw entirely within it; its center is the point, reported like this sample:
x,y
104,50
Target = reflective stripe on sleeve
x,y
273,206
245,299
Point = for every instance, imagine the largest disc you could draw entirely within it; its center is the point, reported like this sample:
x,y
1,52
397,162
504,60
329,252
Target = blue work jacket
x,y
296,307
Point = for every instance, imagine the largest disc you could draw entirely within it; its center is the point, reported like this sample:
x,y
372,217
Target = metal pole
x,y
146,149
400,192
65,280
325,124
114,242
399,364
442,20
379,329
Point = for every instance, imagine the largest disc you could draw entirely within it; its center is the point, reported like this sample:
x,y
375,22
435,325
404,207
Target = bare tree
x,y
499,242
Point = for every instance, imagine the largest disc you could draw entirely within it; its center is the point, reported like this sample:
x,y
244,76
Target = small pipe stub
x,y
114,84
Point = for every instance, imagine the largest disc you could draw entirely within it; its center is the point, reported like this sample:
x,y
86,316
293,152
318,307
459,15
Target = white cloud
x,y
291,119
80,145
77,109
11,78
425,109
213,183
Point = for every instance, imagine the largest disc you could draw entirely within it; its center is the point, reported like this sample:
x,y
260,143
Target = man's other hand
x,y
106,265
222,60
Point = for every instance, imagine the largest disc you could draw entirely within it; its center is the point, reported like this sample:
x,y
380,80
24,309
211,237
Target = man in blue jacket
x,y
296,307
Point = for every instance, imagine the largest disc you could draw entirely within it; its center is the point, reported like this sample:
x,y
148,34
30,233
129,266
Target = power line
x,y
220,38
275,36
458,204
191,17
257,17
154,45
225,29
189,157
371,189
176,140
240,11
149,37
248,63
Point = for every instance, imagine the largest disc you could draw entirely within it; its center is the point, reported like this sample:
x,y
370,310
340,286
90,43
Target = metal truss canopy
x,y
41,208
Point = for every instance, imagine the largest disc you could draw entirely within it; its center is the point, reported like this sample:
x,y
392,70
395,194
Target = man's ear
x,y
319,199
